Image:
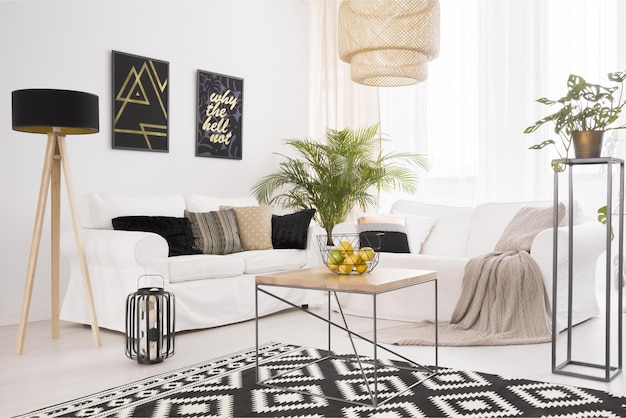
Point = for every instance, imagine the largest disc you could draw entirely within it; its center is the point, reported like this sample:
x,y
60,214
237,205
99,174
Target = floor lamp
x,y
56,113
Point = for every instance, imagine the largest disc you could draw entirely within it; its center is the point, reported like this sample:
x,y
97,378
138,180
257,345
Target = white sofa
x,y
460,233
210,290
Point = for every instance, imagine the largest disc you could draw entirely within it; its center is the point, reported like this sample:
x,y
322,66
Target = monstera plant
x,y
343,171
585,107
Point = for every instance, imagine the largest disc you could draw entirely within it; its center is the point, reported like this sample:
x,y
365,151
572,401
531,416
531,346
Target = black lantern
x,y
150,321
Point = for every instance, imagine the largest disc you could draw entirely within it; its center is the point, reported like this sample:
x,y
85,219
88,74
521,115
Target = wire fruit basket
x,y
347,255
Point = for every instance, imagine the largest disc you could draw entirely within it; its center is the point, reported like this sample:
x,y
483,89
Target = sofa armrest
x,y
589,243
118,248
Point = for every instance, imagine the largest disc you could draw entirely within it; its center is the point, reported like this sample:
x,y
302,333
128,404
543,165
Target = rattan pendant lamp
x,y
388,42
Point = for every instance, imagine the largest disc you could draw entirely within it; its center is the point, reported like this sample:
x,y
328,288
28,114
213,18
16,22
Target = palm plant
x,y
338,174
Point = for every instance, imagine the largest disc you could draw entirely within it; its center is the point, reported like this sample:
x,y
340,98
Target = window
x,y
496,58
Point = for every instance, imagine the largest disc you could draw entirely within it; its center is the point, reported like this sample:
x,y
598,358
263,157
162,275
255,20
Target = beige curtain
x,y
336,101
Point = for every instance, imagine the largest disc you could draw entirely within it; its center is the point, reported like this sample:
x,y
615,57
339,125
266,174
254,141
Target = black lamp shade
x,y
42,110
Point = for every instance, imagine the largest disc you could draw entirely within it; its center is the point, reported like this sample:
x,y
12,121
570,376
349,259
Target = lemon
x,y
332,266
352,259
345,268
361,268
346,247
366,253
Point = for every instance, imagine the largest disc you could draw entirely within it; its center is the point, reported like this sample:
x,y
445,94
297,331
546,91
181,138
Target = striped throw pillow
x,y
215,232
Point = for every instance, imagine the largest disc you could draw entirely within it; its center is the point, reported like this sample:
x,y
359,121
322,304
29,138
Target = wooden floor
x,y
52,371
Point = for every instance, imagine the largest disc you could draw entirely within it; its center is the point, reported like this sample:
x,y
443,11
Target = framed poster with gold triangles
x,y
140,103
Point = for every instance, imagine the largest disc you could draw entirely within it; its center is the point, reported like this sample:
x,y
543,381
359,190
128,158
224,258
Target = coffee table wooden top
x,y
378,280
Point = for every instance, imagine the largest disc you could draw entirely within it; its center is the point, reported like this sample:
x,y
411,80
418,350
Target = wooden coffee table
x,y
380,280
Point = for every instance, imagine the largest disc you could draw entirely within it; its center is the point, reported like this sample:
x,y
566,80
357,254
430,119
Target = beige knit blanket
x,y
503,299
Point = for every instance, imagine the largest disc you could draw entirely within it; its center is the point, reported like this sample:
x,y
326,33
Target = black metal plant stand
x,y
607,370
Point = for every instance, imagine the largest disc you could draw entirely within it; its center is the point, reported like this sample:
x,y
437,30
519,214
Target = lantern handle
x,y
151,275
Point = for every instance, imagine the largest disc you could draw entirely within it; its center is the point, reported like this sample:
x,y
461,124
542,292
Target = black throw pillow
x,y
176,231
386,238
292,230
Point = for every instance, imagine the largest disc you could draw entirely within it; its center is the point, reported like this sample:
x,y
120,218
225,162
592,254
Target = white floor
x,y
52,371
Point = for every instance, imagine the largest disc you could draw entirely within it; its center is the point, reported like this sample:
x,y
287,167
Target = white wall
x,y
68,44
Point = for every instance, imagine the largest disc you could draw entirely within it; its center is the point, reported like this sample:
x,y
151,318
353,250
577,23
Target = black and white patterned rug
x,y
225,387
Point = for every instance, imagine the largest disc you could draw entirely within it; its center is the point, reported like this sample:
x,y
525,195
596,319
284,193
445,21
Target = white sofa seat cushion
x,y
265,261
415,303
204,266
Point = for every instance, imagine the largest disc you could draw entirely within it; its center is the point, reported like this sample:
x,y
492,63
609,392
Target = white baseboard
x,y
32,317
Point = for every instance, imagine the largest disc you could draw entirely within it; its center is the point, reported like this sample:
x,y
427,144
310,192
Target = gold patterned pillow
x,y
255,226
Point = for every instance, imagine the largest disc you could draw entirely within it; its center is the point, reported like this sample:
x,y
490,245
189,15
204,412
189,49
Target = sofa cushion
x,y
417,227
176,231
370,218
205,203
97,209
347,227
489,221
255,226
215,232
265,261
417,230
387,235
291,230
450,233
204,266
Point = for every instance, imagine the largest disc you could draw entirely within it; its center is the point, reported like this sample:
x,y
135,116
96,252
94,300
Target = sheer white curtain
x,y
496,58
336,102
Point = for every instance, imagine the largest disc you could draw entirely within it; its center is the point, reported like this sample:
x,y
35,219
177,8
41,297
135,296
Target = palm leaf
x,y
338,174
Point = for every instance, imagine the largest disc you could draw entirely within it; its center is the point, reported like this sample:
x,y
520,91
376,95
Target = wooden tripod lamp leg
x,y
34,248
95,330
55,239
55,159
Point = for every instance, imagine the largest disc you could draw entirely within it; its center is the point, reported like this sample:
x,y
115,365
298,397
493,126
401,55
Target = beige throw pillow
x,y
255,226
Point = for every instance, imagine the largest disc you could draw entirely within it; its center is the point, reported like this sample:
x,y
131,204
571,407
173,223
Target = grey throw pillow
x,y
215,232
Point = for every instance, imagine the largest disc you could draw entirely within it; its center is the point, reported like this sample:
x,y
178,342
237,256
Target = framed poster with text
x,y
219,115
140,103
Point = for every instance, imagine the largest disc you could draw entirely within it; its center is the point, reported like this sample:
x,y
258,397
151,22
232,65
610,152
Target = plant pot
x,y
587,144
